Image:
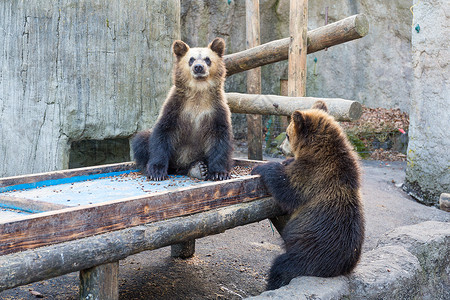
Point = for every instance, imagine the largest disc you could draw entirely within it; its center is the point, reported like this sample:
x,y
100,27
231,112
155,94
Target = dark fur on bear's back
x,y
194,124
319,188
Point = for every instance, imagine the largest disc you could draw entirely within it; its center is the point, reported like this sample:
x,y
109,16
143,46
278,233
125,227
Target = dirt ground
x,y
234,264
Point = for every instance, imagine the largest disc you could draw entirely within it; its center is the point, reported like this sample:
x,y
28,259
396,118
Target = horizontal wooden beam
x,y
340,109
348,29
46,262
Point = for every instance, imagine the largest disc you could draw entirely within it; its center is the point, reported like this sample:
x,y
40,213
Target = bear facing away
x,y
320,189
193,132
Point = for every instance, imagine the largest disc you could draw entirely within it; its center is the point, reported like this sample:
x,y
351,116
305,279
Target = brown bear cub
x,y
320,189
193,132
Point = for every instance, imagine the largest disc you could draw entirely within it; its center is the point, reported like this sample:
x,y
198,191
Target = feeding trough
x,y
55,207
59,222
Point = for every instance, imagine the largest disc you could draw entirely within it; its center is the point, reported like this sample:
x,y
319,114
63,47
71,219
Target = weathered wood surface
x,y
46,262
254,121
298,27
348,29
73,223
183,250
340,109
100,282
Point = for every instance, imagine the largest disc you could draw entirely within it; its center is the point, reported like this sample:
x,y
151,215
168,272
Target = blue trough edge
x,y
33,185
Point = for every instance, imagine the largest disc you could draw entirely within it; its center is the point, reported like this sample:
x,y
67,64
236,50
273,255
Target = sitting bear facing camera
x,y
193,132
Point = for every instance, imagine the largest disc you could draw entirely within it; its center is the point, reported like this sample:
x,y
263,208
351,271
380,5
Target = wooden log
x,y
254,121
340,109
348,29
46,262
100,282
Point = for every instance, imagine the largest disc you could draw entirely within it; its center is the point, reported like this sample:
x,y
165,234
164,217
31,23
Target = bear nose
x,y
199,69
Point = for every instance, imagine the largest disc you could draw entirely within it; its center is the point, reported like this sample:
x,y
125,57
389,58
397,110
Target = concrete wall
x,y
79,70
375,70
428,171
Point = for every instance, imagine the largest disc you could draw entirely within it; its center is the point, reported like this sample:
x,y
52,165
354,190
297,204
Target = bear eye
x,y
191,61
208,61
287,136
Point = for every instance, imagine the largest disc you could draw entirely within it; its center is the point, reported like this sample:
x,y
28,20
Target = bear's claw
x,y
219,176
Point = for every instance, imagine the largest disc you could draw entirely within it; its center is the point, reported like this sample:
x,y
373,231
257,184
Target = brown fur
x,y
195,121
320,189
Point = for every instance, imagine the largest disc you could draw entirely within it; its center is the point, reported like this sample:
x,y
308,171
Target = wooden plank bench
x,y
49,238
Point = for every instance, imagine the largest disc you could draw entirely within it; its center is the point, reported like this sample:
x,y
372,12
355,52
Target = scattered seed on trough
x,y
107,188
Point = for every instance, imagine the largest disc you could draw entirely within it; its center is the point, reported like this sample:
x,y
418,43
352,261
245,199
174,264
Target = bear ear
x,y
180,48
320,105
299,120
218,46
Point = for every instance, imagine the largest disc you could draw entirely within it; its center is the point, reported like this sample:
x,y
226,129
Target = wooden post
x,y
183,250
101,282
254,122
298,44
284,92
298,27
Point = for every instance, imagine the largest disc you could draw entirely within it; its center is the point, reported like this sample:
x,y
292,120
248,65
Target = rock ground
x,y
234,264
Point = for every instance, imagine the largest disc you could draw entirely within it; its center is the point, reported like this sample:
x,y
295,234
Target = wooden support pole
x,y
348,29
51,261
183,250
340,109
298,26
100,282
254,121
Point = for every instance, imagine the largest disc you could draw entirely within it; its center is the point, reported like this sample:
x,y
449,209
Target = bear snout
x,y
199,69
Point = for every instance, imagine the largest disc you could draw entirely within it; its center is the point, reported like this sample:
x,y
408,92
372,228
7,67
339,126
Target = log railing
x,y
340,109
348,29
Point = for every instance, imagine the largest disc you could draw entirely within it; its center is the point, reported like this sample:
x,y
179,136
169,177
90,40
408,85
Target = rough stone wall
x,y
375,70
428,170
77,70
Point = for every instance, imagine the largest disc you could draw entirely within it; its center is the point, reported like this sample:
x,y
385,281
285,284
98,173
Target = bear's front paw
x,y
157,172
260,169
199,170
267,169
219,176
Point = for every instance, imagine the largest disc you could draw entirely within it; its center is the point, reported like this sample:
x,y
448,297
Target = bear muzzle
x,y
285,147
199,71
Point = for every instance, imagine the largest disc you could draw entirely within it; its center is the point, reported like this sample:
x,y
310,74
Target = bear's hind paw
x,y
198,170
